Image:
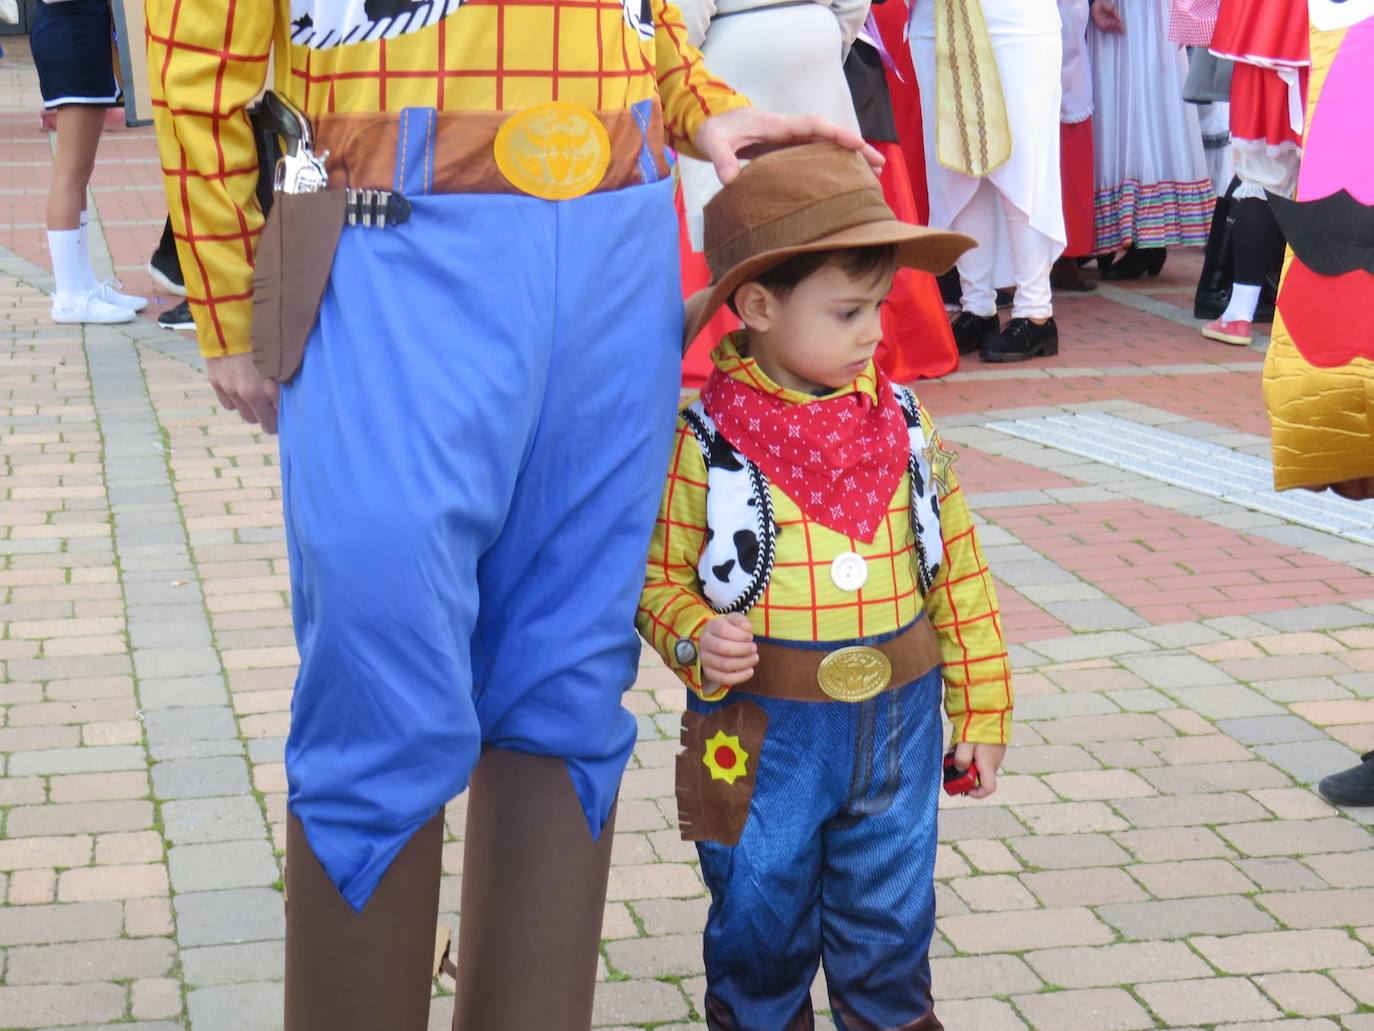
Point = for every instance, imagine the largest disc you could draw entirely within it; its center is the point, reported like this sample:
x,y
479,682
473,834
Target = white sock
x,y
67,268
86,251
1244,301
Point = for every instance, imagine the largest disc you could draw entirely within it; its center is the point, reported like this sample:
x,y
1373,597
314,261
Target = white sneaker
x,y
88,307
108,292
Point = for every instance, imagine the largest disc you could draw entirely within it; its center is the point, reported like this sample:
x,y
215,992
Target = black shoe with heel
x,y
972,331
1023,340
1137,262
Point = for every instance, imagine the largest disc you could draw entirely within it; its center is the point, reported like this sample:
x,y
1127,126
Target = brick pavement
x,y
1155,857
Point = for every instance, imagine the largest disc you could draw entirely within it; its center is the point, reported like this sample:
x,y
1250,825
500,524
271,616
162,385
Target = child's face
x,y
822,334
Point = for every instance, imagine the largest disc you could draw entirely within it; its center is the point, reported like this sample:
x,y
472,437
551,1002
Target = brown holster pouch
x,y
295,255
715,771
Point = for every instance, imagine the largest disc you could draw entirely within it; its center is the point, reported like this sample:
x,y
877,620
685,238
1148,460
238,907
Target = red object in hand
x,y
957,781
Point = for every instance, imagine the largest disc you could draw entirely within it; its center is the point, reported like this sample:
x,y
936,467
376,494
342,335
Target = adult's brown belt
x,y
851,674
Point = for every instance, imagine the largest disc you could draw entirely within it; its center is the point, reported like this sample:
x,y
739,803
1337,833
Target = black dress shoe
x,y
1354,786
972,331
1068,274
1023,340
951,291
1137,262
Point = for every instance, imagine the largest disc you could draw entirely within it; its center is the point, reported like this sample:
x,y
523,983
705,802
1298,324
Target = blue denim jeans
x,y
836,865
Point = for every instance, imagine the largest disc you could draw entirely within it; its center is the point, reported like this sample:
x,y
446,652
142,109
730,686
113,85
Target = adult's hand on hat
x,y
1107,16
242,388
747,132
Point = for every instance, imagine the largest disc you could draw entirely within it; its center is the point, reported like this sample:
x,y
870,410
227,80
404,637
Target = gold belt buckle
x,y
854,674
556,151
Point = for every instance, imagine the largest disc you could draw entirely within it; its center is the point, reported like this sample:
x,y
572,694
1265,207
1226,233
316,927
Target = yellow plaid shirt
x,y
208,60
801,603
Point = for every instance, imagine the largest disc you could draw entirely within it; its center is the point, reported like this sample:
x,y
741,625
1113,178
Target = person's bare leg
x,y
78,136
534,891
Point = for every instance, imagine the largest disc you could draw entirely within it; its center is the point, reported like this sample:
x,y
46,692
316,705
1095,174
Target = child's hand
x,y
728,652
988,759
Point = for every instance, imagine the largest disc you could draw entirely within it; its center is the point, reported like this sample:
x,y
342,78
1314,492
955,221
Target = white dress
x,y
787,58
1152,184
1027,44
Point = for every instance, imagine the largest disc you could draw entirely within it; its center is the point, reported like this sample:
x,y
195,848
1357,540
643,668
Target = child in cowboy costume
x,y
814,576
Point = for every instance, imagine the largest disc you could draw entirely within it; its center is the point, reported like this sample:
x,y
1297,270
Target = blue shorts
x,y
472,460
72,49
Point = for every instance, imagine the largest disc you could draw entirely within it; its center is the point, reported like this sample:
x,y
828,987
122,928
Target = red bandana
x,y
840,459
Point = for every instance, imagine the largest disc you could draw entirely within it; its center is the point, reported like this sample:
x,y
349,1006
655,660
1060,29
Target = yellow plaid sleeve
x,y
688,92
206,63
671,608
962,605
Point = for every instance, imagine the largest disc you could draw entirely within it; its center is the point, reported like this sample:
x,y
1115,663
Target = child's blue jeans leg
x,y
836,864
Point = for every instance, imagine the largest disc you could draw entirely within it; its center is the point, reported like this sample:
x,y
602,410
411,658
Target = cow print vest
x,y
323,24
741,534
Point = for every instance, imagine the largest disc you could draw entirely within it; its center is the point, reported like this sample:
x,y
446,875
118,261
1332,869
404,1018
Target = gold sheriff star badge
x,y
940,460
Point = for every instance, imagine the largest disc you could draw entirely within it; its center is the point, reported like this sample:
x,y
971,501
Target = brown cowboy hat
x,y
814,197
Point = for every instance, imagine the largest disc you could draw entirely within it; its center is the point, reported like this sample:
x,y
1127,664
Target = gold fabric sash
x,y
971,131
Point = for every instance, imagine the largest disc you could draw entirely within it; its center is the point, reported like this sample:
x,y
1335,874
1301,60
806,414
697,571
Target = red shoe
x,y
1237,332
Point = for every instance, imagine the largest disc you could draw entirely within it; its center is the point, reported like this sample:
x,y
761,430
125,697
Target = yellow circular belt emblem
x,y
556,151
854,674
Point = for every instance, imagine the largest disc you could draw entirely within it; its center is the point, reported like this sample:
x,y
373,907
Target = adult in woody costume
x,y
482,275
990,96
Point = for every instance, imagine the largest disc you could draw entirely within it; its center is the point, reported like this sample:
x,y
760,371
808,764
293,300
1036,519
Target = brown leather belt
x,y
851,674
362,150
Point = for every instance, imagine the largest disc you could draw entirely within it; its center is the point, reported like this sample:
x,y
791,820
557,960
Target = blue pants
x,y
836,865
472,457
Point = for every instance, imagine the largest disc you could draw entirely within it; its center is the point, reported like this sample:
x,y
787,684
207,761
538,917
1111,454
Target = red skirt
x,y
1076,176
1260,106
1270,32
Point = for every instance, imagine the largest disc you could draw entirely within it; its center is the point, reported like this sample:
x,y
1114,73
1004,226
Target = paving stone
x,y
238,1007
227,917
984,822
147,917
1359,982
1128,726
982,1014
118,960
212,819
1309,995
664,956
989,856
1200,748
1279,874
1309,761
1296,837
653,881
971,977
40,925
1282,950
173,692
1182,918
1099,784
1344,869
1014,932
1049,759
1316,617
230,864
26,853
1106,1009
38,1005
1070,818
637,1002
1207,1000
1191,878
155,997
1190,810
1226,701
200,778
1109,965
1144,699
1169,843
78,818
1208,777
1339,907
1171,672
672,916
992,893
1087,646
1089,887
1269,730
1068,851
95,883
76,760
1294,803
233,964
195,723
